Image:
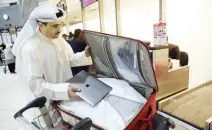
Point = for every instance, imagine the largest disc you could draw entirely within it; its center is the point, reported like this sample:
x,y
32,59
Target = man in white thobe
x,y
44,59
10,59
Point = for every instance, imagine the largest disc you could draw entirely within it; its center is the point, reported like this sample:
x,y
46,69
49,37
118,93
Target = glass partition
x,y
75,15
137,18
91,17
109,17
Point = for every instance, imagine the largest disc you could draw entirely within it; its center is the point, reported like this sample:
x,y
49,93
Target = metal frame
x,y
83,17
118,17
101,15
39,103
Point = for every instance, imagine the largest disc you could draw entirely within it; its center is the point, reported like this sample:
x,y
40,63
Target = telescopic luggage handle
x,y
37,103
84,124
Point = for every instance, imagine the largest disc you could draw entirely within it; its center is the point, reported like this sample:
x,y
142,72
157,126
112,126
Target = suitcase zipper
x,y
111,67
139,64
107,57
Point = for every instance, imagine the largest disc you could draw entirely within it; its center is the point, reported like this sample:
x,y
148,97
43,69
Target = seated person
x,y
174,51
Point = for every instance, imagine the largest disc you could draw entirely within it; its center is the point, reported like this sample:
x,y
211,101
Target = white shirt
x,y
42,70
8,53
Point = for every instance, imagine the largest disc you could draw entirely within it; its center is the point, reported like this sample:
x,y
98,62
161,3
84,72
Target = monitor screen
x,y
86,3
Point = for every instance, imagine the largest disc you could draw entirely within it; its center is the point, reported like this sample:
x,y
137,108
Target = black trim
x,y
59,14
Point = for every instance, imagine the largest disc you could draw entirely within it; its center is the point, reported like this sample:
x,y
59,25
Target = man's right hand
x,y
87,51
72,91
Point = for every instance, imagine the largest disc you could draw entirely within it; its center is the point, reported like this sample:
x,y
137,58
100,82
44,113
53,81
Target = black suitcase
x,y
160,122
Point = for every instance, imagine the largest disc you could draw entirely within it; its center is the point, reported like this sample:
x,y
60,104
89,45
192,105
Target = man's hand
x,y
72,91
87,51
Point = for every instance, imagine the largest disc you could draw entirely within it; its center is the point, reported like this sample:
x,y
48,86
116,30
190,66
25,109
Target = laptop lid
x,y
92,89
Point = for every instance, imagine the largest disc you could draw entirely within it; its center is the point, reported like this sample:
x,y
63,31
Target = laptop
x,y
92,89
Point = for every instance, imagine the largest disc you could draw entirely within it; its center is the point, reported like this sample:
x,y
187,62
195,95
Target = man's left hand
x,y
87,51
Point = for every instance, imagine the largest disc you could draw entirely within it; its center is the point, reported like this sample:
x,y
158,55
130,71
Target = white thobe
x,y
8,53
41,71
45,75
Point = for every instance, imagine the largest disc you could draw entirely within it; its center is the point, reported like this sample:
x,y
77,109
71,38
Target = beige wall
x,y
92,20
138,17
76,26
109,17
44,2
190,27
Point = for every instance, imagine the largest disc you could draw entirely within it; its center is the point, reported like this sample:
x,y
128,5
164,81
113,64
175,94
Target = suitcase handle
x,y
147,121
39,103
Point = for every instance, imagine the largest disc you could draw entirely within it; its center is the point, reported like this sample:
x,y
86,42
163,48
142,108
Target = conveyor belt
x,y
194,107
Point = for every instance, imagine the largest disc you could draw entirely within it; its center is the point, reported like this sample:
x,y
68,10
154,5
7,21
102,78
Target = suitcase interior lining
x,y
122,58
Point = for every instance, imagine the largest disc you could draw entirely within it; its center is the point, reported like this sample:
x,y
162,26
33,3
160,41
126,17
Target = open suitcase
x,y
159,121
118,59
138,75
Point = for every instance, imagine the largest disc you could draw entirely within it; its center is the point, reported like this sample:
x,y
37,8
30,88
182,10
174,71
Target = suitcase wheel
x,y
171,123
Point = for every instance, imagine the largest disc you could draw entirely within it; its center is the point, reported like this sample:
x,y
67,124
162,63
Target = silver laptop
x,y
92,89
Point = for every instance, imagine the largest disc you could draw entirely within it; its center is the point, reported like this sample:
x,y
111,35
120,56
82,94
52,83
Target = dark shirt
x,y
78,46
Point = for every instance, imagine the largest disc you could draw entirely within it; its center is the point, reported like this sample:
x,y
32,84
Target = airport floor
x,y
12,99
